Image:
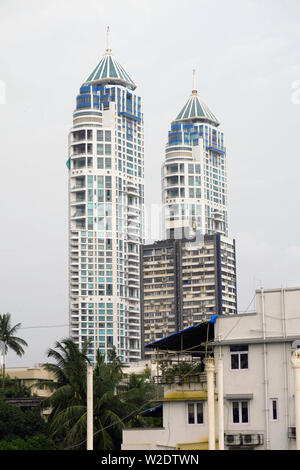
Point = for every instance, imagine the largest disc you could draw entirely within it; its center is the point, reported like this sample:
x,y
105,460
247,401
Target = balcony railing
x,y
200,378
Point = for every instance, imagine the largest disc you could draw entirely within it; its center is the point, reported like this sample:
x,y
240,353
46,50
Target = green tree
x,y
13,388
113,407
8,340
38,442
15,423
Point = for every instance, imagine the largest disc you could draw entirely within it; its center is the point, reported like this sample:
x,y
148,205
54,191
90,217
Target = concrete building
x,y
194,177
258,377
256,382
184,282
33,378
106,195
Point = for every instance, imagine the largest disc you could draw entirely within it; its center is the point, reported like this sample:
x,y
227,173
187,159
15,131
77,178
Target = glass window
x,y
274,409
100,149
191,415
195,413
235,412
234,361
240,412
244,361
239,357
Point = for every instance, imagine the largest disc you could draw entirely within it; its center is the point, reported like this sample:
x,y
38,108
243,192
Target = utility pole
x,y
220,403
210,373
89,397
296,367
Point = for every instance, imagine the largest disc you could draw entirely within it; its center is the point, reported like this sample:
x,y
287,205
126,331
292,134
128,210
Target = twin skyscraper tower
x,y
124,293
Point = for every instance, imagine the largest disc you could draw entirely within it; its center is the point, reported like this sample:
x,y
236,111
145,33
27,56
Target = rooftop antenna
x,y
194,91
108,49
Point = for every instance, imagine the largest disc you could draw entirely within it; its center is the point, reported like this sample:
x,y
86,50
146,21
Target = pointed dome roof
x,y
195,108
109,70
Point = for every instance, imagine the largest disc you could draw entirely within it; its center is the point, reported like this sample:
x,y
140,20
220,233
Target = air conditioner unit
x,y
252,439
232,439
292,432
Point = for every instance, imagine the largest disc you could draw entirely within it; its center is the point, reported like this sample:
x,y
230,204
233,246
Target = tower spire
x,y
194,90
108,49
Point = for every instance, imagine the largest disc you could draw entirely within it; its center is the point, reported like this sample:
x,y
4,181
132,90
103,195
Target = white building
x,y
194,178
258,377
106,195
258,382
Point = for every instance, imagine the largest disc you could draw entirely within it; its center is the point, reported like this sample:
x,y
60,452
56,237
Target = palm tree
x,y
112,409
8,339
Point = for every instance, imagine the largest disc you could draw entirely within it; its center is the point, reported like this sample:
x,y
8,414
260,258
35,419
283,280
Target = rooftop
x,y
110,71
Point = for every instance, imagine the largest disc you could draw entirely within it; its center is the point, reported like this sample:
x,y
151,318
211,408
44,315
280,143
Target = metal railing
x,y
200,378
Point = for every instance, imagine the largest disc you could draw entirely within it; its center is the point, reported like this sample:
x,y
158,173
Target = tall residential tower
x,y
190,275
194,183
106,195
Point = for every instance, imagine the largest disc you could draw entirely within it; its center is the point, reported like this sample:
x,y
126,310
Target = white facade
x,y
106,188
266,383
258,383
194,178
177,432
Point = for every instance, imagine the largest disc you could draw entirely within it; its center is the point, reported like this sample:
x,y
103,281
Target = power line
x,y
43,326
113,424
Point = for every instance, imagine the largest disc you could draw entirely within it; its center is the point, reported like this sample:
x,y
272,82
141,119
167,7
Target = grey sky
x,y
246,55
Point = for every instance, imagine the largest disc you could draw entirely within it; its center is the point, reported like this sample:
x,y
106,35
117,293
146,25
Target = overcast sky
x,y
246,54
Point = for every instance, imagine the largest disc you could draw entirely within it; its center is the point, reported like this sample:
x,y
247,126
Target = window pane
x,y
274,409
200,413
234,361
244,412
191,417
235,412
244,361
100,162
100,149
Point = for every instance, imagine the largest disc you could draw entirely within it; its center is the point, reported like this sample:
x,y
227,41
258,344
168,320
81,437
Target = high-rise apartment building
x,y
184,282
194,180
190,275
106,195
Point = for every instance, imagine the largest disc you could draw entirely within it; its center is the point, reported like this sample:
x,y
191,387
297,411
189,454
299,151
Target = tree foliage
x,y
13,388
15,423
38,442
9,340
117,402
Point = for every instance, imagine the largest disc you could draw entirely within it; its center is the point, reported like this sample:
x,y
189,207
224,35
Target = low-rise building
x,y
255,387
34,378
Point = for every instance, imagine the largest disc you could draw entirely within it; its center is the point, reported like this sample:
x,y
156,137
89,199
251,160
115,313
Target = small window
x,y
240,412
239,357
274,409
195,413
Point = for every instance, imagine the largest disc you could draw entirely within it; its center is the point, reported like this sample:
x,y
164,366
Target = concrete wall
x,y
270,334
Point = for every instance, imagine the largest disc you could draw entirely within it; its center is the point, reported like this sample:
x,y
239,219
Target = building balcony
x,y
185,379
